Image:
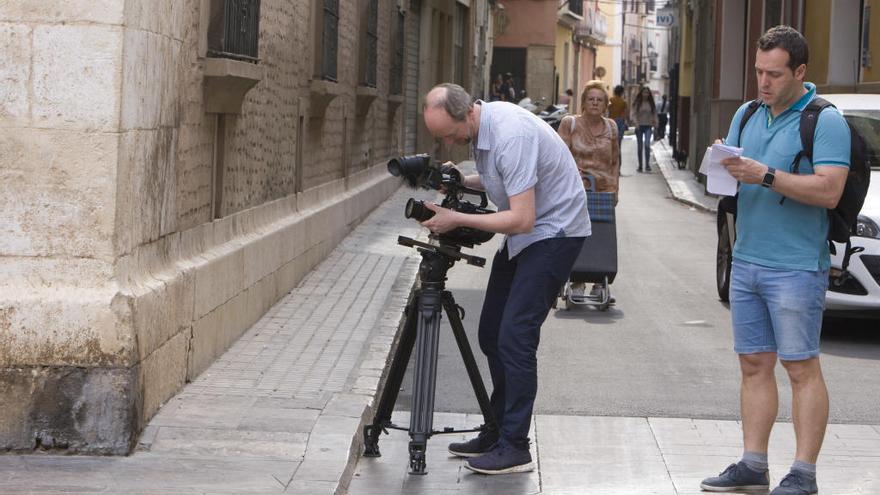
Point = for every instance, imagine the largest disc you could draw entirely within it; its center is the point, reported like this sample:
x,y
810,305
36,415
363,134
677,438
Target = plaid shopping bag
x,y
601,206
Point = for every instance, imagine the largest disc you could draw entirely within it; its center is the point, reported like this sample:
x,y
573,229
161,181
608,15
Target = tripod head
x,y
450,253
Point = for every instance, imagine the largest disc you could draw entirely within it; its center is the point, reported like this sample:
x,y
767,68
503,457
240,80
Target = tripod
x,y
422,331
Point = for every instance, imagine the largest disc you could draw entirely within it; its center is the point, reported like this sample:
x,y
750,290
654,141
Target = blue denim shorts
x,y
777,310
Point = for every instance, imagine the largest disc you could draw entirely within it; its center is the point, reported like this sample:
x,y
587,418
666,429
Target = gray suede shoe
x,y
735,478
795,483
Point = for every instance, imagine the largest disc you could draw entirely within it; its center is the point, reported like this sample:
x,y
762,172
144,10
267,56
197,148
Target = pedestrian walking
x,y
617,111
644,114
495,90
592,140
662,119
565,98
781,262
529,174
507,89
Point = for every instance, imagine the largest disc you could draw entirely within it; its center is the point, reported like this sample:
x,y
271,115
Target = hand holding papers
x,y
718,179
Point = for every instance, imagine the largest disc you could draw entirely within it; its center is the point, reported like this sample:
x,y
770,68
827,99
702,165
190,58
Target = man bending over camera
x,y
528,172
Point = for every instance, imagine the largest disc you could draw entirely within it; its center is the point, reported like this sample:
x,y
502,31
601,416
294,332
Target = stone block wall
x,y
119,281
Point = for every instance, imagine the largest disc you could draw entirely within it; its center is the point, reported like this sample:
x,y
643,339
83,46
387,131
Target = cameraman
x,y
529,174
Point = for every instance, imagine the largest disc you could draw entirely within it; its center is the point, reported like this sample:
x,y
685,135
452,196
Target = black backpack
x,y
842,218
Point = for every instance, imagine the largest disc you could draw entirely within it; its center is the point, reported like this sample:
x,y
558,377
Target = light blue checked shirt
x,y
515,151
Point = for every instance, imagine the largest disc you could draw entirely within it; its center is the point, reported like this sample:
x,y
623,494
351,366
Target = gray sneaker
x,y
795,483
737,477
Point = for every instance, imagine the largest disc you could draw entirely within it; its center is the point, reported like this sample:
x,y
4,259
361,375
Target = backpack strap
x,y
807,127
809,119
750,110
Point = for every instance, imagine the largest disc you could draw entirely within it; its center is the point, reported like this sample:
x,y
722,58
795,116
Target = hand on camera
x,y
443,220
447,164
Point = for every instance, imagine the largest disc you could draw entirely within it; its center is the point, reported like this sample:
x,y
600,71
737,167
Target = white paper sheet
x,y
718,179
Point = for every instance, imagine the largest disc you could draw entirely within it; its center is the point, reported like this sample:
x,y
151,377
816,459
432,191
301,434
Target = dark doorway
x,y
511,60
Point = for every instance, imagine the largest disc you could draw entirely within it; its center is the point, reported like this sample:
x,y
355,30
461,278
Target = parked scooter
x,y
553,114
528,104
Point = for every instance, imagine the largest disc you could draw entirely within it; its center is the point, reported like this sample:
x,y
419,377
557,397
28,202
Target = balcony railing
x,y
593,28
234,29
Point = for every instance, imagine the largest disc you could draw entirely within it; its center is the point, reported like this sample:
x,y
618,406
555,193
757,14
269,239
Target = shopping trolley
x,y
597,261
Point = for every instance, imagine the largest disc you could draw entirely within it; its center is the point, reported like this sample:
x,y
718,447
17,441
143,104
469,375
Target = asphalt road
x,y
665,349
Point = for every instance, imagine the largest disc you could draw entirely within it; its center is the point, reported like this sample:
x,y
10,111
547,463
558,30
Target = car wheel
x,y
723,259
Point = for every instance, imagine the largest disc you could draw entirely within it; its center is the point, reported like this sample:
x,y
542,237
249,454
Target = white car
x,y
855,294
859,294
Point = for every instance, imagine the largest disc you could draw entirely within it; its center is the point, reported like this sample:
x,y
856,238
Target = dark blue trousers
x,y
518,298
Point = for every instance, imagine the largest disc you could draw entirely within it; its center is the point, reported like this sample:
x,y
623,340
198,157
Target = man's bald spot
x,y
436,97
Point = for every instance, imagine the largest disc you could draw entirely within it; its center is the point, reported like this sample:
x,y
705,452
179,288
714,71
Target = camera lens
x,y
412,168
417,210
394,167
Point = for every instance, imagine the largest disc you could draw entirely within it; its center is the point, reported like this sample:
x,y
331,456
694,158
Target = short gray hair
x,y
455,100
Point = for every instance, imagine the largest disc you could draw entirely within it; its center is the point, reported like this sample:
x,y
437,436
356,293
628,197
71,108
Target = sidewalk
x,y
584,455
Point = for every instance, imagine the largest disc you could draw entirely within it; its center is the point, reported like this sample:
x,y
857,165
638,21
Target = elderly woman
x,y
593,142
592,139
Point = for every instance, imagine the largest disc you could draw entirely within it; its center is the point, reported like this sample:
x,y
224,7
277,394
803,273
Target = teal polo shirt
x,y
790,235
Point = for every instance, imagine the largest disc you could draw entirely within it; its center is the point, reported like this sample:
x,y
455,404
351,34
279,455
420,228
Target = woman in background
x,y
644,115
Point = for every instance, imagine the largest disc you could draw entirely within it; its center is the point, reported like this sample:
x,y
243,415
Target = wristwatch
x,y
769,177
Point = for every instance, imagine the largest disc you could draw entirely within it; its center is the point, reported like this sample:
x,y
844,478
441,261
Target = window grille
x,y
576,6
459,43
372,43
397,59
330,39
234,29
866,37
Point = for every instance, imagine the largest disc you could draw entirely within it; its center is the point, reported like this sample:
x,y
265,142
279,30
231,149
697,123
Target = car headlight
x,y
865,227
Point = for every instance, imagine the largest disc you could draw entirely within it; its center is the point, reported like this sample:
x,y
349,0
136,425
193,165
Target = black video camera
x,y
421,171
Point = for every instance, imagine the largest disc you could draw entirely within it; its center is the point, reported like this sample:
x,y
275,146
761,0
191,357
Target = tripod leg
x,y
395,378
424,377
470,363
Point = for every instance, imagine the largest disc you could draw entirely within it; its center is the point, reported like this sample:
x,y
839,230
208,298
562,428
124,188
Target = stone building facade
x,y
160,192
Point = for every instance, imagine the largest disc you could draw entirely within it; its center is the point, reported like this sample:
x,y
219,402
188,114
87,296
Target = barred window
x,y
329,30
234,29
576,6
866,36
369,42
459,37
397,44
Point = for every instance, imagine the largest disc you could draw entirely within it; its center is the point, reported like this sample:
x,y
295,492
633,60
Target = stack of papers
x,y
718,179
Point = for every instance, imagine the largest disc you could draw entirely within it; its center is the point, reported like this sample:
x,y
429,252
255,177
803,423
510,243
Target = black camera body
x,y
421,171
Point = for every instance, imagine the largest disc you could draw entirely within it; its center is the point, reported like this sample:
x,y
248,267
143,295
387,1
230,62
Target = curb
x,y
678,188
361,403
